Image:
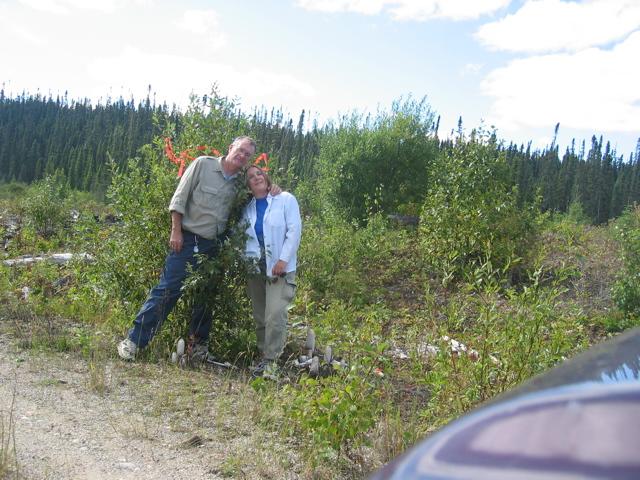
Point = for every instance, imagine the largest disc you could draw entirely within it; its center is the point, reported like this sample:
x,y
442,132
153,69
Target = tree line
x,y
40,135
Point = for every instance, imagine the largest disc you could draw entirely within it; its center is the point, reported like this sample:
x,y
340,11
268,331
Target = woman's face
x,y
257,182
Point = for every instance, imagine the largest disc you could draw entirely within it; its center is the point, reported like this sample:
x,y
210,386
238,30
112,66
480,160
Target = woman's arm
x,y
292,236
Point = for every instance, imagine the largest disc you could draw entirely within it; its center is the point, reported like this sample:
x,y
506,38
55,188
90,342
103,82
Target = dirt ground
x,y
78,419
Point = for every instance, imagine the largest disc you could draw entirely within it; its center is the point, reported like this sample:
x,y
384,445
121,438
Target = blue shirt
x,y
261,207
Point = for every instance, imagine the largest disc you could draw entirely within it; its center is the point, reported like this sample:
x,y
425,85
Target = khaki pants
x,y
270,299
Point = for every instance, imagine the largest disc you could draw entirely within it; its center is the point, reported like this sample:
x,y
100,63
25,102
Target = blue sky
x,y
518,65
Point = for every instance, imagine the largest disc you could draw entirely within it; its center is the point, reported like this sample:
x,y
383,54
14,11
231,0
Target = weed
x,y
136,427
8,459
98,376
394,433
231,466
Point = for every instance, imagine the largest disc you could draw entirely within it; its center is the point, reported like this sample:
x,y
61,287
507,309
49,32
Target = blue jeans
x,y
164,296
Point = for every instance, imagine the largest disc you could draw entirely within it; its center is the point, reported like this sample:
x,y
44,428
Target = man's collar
x,y
224,173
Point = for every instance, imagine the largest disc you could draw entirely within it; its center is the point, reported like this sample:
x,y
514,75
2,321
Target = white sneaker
x,y
127,349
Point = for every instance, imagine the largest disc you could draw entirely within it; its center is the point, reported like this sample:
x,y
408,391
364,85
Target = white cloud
x,y
418,10
591,89
205,23
13,31
471,69
452,9
49,6
553,25
133,70
65,7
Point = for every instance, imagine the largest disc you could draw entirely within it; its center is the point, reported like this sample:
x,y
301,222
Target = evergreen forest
x,y
40,135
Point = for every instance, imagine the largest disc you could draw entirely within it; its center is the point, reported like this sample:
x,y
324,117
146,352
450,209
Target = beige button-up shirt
x,y
204,197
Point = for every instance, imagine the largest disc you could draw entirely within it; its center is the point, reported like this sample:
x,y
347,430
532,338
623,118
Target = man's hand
x,y
176,240
279,269
275,189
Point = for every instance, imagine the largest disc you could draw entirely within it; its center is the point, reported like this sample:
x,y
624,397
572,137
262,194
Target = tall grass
x,y
9,467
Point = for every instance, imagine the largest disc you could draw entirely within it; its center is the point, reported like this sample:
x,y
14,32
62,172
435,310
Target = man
x,y
199,209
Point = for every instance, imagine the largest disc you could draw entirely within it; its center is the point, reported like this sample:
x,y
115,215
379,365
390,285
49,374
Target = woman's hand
x,y
279,269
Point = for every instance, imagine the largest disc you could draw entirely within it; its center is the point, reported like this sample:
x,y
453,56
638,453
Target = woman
x,y
273,231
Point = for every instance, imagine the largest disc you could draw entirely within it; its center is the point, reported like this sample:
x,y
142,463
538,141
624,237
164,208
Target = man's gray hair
x,y
248,138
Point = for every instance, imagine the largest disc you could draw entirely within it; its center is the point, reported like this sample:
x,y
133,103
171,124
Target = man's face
x,y
239,154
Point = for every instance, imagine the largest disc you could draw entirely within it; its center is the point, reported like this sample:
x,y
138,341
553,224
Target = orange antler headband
x,y
185,156
262,158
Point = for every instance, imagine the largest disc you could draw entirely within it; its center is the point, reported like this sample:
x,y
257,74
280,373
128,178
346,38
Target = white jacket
x,y
282,228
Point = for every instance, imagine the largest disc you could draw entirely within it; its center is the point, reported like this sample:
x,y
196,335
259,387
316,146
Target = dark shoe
x,y
271,372
258,370
266,369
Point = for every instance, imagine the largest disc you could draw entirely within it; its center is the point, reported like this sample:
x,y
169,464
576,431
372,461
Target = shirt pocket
x,y
276,217
206,196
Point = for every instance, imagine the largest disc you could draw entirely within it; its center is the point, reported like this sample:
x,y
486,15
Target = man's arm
x,y
175,239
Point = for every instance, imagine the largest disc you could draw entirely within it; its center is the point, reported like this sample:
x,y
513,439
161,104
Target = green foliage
x,y
514,335
12,191
470,214
338,259
46,206
626,290
129,253
576,213
335,410
212,120
335,413
368,166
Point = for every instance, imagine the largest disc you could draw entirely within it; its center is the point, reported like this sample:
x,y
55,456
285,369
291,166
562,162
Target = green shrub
x,y
130,253
380,165
626,290
46,206
515,334
336,413
12,191
338,260
470,214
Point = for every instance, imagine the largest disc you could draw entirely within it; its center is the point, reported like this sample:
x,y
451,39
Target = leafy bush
x,y
626,290
470,214
515,334
12,191
336,412
46,205
380,165
338,259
